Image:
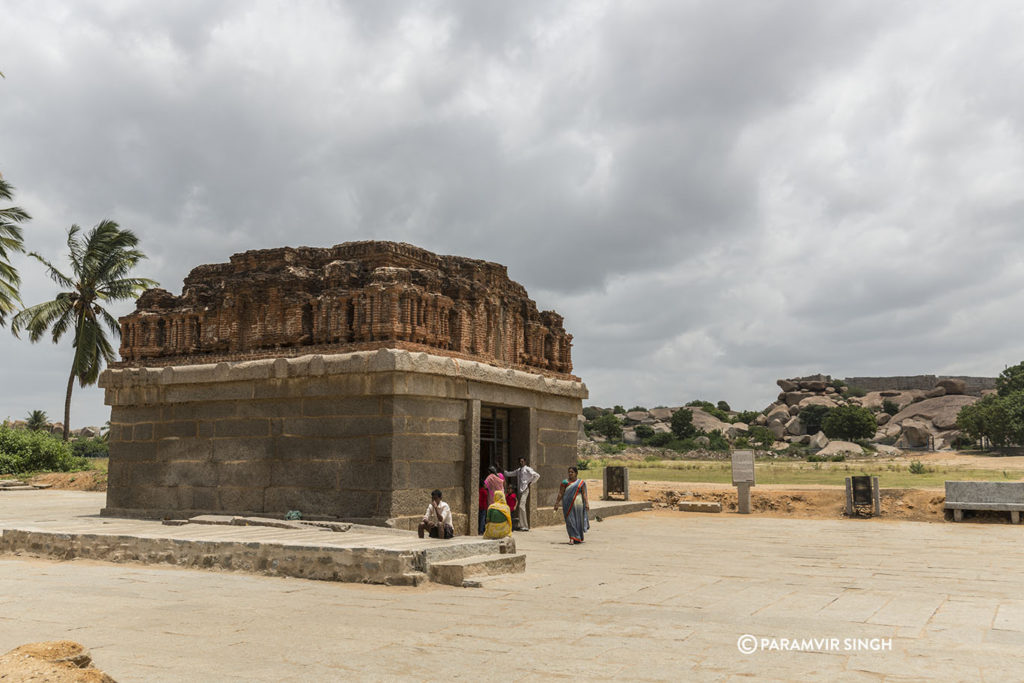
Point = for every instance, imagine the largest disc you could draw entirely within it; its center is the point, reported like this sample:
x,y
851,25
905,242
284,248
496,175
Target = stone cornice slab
x,y
359,362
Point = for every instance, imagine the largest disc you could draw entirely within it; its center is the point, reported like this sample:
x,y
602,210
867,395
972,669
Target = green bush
x,y
890,406
717,441
762,436
747,416
652,458
741,442
838,457
90,448
612,448
1010,380
643,432
639,408
849,422
856,392
26,451
814,457
813,416
682,424
999,418
660,439
593,412
723,406
697,403
917,467
618,409
683,445
582,464
607,426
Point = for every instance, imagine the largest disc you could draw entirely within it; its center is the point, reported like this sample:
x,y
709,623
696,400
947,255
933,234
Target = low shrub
x,y
582,463
917,467
838,457
890,406
717,441
643,432
24,451
659,440
90,448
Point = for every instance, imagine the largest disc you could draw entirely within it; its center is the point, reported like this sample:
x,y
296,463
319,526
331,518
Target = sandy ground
x,y
91,480
801,501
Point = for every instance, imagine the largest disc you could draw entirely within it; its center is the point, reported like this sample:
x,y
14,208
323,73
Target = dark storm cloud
x,y
713,194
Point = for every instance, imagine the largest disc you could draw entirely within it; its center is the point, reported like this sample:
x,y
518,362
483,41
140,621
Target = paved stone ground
x,y
649,597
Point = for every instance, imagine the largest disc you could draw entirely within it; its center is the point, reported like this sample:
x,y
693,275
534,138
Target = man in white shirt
x,y
437,518
525,476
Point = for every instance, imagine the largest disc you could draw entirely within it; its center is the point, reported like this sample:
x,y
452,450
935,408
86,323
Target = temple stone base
x,y
361,436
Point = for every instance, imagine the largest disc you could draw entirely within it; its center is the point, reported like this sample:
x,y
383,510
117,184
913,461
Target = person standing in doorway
x,y
525,477
493,483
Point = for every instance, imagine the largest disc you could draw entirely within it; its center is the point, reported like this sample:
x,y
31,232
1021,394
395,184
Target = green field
x,y
890,475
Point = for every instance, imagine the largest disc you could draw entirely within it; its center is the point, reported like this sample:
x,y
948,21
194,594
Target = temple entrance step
x,y
466,570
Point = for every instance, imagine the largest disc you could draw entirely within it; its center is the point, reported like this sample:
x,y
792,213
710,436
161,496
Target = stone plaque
x,y
742,467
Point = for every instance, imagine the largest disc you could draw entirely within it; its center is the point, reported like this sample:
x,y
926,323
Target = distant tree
x,y
682,424
747,416
618,410
607,426
724,406
643,431
762,436
698,403
1010,380
813,416
1000,419
717,441
10,242
849,422
100,263
637,408
593,412
36,420
660,439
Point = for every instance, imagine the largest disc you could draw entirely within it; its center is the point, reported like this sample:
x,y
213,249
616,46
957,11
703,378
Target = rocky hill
x,y
906,418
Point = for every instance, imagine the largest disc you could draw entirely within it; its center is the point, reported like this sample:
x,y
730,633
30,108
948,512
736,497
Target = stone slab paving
x,y
649,596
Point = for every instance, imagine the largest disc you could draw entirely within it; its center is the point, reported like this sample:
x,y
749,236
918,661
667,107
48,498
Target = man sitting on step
x,y
438,518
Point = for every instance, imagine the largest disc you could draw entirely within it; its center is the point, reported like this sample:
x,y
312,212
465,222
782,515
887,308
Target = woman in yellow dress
x,y
499,518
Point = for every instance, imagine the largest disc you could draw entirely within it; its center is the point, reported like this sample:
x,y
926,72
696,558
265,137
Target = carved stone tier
x,y
353,296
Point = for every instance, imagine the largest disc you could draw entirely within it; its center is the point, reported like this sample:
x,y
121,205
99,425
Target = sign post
x,y
743,478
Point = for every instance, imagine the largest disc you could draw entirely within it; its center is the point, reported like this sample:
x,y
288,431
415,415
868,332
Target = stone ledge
x,y
359,362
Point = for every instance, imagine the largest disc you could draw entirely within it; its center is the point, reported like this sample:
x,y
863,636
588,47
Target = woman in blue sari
x,y
575,506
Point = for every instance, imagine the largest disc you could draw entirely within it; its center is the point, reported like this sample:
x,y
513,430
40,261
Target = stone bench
x,y
1006,496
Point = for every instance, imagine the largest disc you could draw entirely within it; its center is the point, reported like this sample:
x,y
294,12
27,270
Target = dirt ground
x,y
801,501
90,480
56,661
824,502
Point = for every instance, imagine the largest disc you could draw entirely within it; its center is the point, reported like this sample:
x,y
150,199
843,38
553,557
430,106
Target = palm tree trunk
x,y
67,404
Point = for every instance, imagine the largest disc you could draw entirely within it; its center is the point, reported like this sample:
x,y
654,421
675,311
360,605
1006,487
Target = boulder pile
x,y
921,418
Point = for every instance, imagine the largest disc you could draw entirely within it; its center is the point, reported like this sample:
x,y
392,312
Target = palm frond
x,y
55,275
36,319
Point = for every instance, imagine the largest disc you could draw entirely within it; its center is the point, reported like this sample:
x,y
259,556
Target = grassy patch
x,y
890,475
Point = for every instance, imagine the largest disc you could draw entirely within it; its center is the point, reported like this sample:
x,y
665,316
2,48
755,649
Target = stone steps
x,y
466,571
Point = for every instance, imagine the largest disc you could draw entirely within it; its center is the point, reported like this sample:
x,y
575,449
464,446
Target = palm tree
x,y
100,262
10,240
36,420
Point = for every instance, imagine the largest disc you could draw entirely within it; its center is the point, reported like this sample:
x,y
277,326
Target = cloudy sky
x,y
714,194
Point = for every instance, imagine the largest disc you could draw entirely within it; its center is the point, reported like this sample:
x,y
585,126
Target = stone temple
x,y
344,382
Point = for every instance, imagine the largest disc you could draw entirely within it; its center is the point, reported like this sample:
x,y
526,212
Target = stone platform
x,y
53,526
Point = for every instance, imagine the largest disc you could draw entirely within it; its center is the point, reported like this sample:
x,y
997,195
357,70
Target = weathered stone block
x,y
182,449
247,427
311,474
337,427
350,450
178,429
416,406
242,449
428,447
245,474
143,432
341,406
